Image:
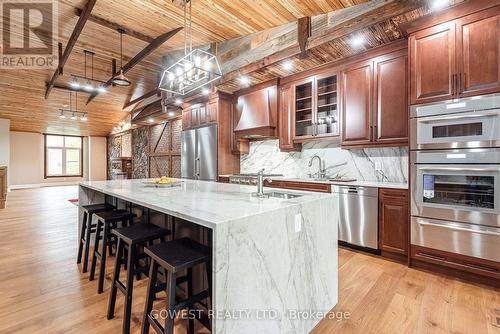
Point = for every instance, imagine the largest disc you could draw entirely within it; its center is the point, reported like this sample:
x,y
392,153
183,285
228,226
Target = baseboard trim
x,y
41,185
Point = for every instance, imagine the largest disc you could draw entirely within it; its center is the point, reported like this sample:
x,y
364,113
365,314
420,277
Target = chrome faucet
x,y
260,183
321,166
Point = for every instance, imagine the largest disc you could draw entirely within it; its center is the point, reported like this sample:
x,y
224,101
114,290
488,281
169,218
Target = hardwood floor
x,y
43,291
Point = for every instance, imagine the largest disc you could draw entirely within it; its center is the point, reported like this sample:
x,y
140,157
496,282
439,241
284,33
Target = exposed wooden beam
x,y
149,94
249,53
303,32
155,44
115,26
71,43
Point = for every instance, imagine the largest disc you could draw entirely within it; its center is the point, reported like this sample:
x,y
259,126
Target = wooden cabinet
x,y
393,223
456,59
3,186
199,114
433,69
285,120
357,87
314,107
478,53
374,102
390,118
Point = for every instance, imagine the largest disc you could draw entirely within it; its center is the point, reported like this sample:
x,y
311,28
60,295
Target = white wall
x,y
4,143
27,159
97,158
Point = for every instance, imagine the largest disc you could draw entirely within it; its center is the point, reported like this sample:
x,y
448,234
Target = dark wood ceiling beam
x,y
71,44
115,26
303,32
155,44
149,94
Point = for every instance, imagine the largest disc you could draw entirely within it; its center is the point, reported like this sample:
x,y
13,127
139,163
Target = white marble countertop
x,y
360,183
202,202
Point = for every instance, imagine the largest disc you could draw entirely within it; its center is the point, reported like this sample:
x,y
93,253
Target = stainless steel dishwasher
x,y
358,215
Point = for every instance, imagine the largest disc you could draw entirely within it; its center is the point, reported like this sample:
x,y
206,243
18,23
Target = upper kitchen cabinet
x,y
357,88
478,53
456,59
315,107
390,118
375,101
432,53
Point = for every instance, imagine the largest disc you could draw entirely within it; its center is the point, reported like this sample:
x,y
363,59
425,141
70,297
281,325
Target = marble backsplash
x,y
388,164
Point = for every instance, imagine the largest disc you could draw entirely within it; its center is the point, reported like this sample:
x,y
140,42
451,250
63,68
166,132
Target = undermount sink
x,y
283,195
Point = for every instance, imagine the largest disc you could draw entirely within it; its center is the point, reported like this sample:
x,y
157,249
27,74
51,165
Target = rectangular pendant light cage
x,y
193,71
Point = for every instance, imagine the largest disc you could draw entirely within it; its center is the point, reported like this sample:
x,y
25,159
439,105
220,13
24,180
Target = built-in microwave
x,y
457,185
465,123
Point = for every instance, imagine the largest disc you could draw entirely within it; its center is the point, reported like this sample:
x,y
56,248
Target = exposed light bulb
x,y
207,66
62,116
205,91
197,61
171,76
84,118
187,66
179,71
74,84
88,87
73,117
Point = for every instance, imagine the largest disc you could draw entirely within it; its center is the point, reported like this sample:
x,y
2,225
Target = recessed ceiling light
x,y
288,65
244,80
439,4
178,102
205,91
357,41
171,113
151,120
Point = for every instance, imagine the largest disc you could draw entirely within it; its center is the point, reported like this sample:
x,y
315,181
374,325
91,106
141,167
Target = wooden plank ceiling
x,y
22,91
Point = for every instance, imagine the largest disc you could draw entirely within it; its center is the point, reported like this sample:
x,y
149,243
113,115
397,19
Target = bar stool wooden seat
x,y
106,221
130,238
173,257
87,229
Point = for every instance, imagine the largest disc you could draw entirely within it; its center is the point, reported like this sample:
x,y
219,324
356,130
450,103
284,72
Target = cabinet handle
x,y
454,85
430,256
481,267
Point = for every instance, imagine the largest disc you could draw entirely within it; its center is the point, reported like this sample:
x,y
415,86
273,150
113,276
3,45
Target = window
x,y
63,156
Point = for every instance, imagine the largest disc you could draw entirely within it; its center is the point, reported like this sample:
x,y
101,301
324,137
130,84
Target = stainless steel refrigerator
x,y
199,153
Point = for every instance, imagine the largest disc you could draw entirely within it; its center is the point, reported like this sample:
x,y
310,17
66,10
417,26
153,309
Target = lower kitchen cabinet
x,y
393,223
304,186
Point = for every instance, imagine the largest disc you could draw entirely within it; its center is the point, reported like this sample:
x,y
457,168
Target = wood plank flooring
x,y
43,291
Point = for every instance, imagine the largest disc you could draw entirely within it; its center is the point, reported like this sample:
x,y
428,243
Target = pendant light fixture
x,y
87,83
74,113
121,79
196,69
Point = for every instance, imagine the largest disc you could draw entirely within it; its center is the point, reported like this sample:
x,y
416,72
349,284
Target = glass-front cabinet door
x,y
327,121
316,111
304,110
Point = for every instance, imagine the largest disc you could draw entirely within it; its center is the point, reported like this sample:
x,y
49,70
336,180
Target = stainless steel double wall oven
x,y
455,174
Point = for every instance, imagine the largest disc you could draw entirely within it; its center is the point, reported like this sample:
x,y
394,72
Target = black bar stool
x,y
87,229
174,257
131,237
105,222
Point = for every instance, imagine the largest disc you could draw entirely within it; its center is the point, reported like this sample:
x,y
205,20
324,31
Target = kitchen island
x,y
275,267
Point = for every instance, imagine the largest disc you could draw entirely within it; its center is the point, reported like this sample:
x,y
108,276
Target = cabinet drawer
x,y
400,195
456,261
458,238
292,185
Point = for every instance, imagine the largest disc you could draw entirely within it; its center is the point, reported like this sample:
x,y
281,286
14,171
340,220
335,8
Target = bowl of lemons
x,y
163,182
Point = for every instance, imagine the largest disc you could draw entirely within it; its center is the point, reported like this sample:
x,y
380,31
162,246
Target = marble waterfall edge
x,y
269,272
360,164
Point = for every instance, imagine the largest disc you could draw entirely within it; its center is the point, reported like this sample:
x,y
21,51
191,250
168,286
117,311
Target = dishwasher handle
x,y
354,190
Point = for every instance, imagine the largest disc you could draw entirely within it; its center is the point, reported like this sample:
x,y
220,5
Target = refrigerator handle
x,y
197,167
